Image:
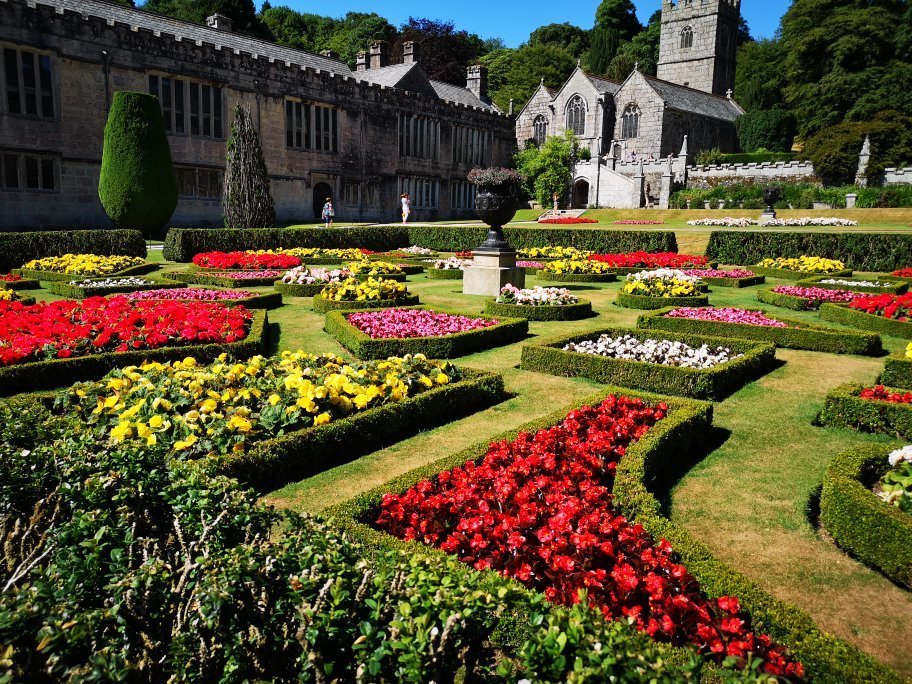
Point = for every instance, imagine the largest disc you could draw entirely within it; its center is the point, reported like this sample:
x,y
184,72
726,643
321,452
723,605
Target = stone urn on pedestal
x,y
771,195
494,263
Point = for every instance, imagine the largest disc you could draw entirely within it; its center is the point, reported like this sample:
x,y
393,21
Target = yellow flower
x,y
240,424
909,351
184,444
274,399
121,431
322,419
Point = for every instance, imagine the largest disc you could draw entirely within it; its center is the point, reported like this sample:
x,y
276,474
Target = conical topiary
x,y
137,187
246,200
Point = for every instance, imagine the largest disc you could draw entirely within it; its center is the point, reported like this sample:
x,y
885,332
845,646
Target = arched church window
x,y
539,129
630,123
687,38
576,115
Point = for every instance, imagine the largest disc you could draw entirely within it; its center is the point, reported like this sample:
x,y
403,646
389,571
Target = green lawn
x,y
747,499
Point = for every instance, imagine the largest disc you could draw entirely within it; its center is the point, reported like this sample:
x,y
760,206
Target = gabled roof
x,y
388,76
604,85
463,96
687,99
184,30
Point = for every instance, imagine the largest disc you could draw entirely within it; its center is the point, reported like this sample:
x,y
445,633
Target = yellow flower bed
x,y
573,266
661,287
370,290
84,264
553,253
324,253
804,264
224,407
909,351
373,268
7,295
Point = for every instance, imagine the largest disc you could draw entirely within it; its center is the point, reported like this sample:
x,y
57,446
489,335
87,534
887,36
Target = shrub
x,y
238,279
770,129
710,157
563,312
865,321
137,186
874,532
875,252
845,408
247,202
18,248
897,371
648,302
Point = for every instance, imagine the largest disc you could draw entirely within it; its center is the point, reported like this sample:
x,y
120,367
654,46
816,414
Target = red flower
x,y
567,221
880,393
651,260
250,261
898,307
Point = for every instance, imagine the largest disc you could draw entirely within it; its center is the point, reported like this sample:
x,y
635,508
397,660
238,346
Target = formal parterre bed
x,y
660,288
374,269
99,287
801,298
736,277
307,281
861,285
647,260
576,271
885,410
354,293
801,267
450,268
13,281
884,313
68,266
245,261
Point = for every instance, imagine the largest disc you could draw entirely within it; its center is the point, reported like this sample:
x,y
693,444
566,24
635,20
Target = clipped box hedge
x,y
648,466
397,277
322,305
303,453
735,282
298,289
897,371
897,285
64,289
844,408
507,331
767,296
576,277
635,301
19,248
865,321
216,280
787,274
24,284
462,238
445,273
800,335
862,251
52,276
39,375
758,358
562,312
631,270
878,534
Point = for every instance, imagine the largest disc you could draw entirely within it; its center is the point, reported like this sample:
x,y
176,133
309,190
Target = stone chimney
x,y
379,55
477,81
410,51
361,61
219,21
331,54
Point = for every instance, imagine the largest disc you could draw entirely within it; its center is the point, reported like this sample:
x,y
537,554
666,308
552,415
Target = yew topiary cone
x,y
137,187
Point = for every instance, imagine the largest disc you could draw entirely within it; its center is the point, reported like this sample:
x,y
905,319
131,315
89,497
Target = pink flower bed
x,y
816,294
245,275
191,294
407,323
718,273
529,264
726,315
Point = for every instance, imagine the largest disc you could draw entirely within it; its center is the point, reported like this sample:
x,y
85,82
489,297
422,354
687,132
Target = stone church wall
x,y
730,174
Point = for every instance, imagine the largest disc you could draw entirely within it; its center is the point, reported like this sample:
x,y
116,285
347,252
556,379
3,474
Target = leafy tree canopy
x,y
547,168
760,79
445,51
642,49
527,67
572,38
241,12
619,15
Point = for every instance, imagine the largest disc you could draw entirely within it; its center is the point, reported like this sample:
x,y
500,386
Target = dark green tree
x,y
530,64
137,187
760,77
246,201
619,15
572,38
768,129
499,64
547,168
241,12
355,32
643,49
445,52
604,48
296,29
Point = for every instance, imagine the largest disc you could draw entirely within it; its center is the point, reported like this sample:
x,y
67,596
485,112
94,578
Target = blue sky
x,y
513,20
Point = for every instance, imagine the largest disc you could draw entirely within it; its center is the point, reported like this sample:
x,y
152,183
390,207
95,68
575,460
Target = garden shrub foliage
x,y
18,248
844,407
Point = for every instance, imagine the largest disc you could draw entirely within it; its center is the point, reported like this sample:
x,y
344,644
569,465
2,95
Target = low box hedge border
x,y
786,274
758,359
303,453
563,312
411,269
298,289
897,371
767,296
40,375
507,331
24,284
735,282
541,274
865,321
445,273
646,463
25,301
898,286
800,336
634,301
213,279
51,276
64,289
876,533
17,248
844,408
322,305
631,270
398,277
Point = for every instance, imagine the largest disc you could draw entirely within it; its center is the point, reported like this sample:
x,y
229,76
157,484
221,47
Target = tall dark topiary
x,y
137,187
247,201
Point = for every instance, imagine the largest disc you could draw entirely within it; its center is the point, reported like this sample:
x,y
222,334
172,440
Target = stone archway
x,y
320,192
580,198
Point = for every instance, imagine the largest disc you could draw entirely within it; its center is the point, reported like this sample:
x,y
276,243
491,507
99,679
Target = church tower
x,y
699,40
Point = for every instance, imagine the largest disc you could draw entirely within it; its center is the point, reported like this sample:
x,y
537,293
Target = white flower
x,y
304,275
110,282
649,350
416,250
900,455
855,283
453,264
537,296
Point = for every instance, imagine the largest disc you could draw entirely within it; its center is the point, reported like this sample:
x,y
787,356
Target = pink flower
x,y
408,323
246,275
718,273
190,294
726,315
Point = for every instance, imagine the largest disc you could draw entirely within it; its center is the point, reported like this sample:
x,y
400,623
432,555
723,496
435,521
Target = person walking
x,y
406,207
329,213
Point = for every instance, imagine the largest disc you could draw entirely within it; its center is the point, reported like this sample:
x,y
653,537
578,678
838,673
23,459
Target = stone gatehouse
x,y
362,137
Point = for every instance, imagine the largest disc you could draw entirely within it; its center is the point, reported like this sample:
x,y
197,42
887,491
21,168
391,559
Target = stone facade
x,y
92,49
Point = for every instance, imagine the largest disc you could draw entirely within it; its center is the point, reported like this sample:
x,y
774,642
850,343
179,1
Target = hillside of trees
x,y
836,70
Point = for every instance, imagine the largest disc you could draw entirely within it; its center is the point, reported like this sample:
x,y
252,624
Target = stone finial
x,y
511,106
579,63
542,82
641,171
684,148
861,176
729,93
219,21
636,66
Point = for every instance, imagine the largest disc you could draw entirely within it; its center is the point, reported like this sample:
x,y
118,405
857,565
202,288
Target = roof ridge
x,y
693,90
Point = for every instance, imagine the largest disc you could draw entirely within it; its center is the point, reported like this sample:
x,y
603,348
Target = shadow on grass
x,y
812,507
273,334
665,481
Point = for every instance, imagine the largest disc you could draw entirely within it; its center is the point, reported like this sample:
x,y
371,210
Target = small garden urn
x,y
771,195
494,263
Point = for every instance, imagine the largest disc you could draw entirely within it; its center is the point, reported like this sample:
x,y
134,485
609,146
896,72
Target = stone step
x,y
562,213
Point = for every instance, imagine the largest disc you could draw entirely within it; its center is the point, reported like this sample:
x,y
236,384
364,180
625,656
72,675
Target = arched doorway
x,y
321,192
580,194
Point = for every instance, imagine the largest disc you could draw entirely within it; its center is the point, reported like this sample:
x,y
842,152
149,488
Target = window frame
x,y
423,190
185,96
631,119
687,38
314,126
40,93
419,137
540,123
576,113
21,161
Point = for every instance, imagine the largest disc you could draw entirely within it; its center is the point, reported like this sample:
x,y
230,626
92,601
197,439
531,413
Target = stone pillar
x,y
864,159
639,188
490,272
667,183
851,200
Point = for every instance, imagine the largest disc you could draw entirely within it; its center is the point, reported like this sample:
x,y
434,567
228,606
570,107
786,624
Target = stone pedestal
x,y
851,200
490,272
766,217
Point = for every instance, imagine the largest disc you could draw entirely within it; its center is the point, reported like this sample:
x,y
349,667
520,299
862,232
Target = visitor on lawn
x,y
328,212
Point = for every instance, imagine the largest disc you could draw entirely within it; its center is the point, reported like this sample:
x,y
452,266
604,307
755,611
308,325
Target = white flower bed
x,y
453,264
729,222
110,282
304,275
664,274
664,352
416,250
854,283
537,296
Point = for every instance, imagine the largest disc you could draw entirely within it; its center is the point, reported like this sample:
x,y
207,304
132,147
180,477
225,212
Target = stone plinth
x,y
766,217
490,272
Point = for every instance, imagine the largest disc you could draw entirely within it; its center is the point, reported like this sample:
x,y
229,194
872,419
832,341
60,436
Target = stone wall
x,y
702,132
894,176
85,78
636,90
729,174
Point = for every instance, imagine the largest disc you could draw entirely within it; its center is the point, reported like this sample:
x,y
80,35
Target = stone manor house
x,y
362,137
641,131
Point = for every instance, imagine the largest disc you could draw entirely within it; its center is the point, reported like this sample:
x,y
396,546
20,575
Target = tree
x,y
241,12
295,29
355,32
445,52
760,77
247,201
572,38
137,187
643,50
605,44
529,65
619,15
547,168
768,129
499,63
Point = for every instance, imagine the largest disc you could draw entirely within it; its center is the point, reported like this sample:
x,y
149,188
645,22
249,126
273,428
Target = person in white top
x,y
406,207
